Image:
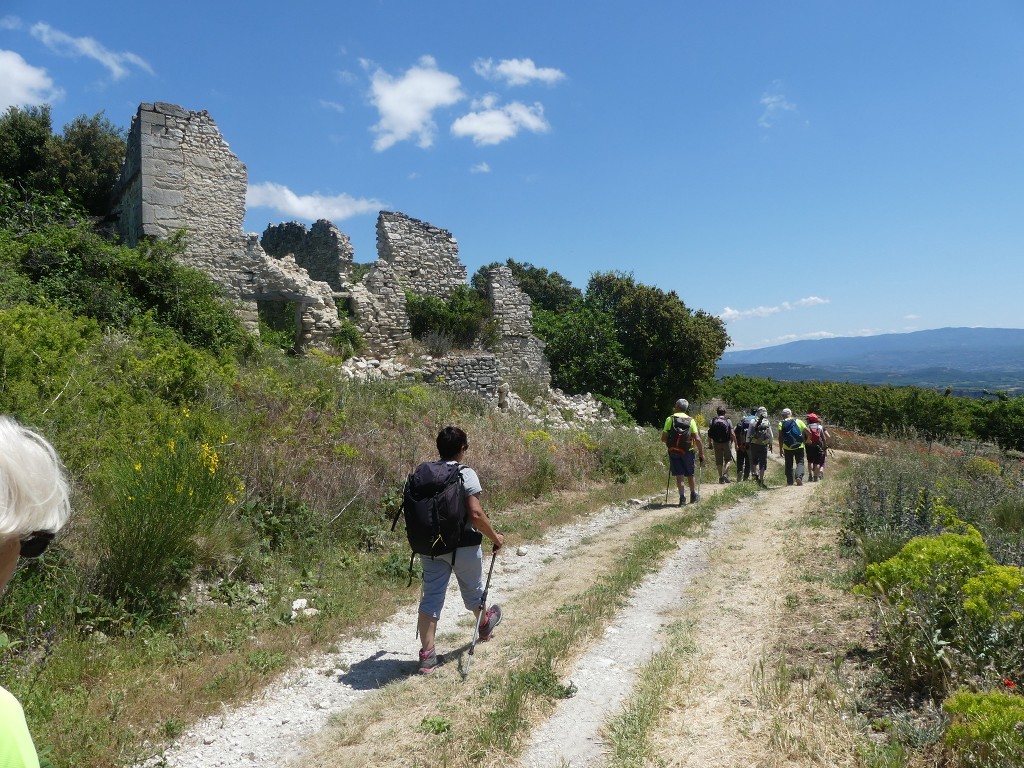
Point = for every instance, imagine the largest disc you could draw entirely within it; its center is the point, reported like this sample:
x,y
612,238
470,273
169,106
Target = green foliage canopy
x,y
886,409
548,290
673,350
464,317
83,162
585,353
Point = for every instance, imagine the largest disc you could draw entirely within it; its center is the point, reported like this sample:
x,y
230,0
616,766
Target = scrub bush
x,y
987,729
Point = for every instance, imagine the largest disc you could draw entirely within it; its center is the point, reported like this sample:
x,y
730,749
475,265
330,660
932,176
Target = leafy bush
x,y
154,508
627,453
464,316
943,563
438,343
348,340
995,594
117,285
987,729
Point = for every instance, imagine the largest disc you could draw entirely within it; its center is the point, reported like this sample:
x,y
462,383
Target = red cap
x,y
812,417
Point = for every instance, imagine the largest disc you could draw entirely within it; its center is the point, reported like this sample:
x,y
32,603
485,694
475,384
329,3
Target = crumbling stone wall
x,y
285,281
520,354
324,251
379,310
469,373
424,258
179,173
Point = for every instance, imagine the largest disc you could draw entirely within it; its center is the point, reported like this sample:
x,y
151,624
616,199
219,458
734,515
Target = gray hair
x,y
682,404
762,411
786,412
34,493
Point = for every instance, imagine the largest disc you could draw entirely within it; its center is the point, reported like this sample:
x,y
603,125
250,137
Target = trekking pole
x,y
668,482
476,627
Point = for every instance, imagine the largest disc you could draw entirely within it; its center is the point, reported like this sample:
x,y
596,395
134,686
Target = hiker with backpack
x,y
817,446
742,454
722,437
446,523
759,442
682,438
792,436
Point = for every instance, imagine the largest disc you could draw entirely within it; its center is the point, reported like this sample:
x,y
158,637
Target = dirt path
x,y
727,584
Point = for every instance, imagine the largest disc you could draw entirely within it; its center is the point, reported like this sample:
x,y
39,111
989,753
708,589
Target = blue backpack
x,y
792,435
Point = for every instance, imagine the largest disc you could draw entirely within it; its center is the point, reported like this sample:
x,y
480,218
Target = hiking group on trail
x,y
753,438
446,523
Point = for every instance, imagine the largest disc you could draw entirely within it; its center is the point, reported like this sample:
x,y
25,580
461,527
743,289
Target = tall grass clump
x,y
155,505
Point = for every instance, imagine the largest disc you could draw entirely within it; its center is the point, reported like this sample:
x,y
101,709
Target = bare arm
x,y
479,520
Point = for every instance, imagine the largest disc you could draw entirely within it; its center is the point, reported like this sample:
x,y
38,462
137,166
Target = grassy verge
x,y
628,733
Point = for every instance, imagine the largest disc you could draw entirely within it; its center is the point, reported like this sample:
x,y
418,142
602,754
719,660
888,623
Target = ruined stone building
x,y
180,175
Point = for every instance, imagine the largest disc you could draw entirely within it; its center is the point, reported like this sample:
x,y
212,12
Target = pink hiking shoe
x,y
491,619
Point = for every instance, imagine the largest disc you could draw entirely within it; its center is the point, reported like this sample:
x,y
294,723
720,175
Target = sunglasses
x,y
36,543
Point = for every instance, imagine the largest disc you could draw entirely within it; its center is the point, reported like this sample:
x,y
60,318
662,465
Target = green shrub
x,y
625,453
348,341
988,639
879,545
154,507
1008,514
987,729
920,614
115,285
995,594
944,563
464,316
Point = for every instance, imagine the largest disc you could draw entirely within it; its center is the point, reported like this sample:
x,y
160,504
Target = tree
x,y
84,161
87,159
585,354
547,290
24,134
673,350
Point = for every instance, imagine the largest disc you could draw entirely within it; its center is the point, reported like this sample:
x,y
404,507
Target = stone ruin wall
x,y
379,311
425,258
180,174
324,251
468,373
520,354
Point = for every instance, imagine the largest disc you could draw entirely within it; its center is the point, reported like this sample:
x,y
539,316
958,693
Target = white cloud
x,y
10,22
332,105
63,44
21,84
406,103
775,105
480,168
731,315
310,207
911,317
491,124
517,71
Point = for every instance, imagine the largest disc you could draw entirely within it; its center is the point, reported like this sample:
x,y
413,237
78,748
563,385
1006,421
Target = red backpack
x,y
815,434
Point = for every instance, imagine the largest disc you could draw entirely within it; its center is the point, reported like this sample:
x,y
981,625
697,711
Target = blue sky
x,y
802,169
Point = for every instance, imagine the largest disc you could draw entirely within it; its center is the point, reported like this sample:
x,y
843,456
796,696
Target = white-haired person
x,y
34,506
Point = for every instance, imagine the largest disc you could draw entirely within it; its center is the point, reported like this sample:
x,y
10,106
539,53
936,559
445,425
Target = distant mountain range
x,y
967,360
